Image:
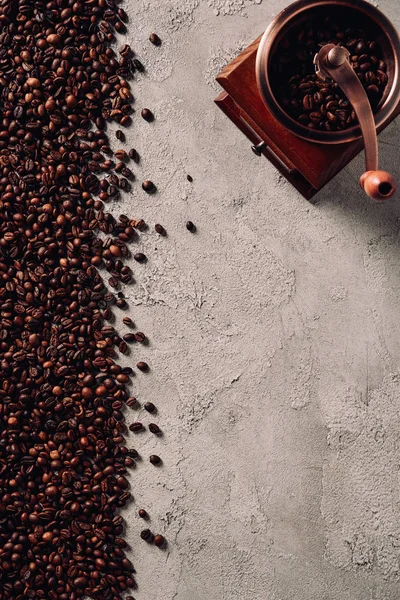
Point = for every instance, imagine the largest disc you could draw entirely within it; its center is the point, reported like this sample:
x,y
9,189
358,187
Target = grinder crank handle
x,y
332,61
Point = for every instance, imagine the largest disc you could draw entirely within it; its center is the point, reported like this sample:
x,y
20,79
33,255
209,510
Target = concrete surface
x,y
274,348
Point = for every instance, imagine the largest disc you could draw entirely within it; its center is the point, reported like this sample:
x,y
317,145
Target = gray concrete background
x,y
274,343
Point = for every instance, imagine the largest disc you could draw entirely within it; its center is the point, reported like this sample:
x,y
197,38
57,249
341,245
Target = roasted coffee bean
x,y
133,154
373,90
143,514
129,337
160,229
121,155
190,226
382,77
154,39
119,134
361,47
155,460
189,178
136,427
308,102
140,337
148,186
128,321
159,540
147,115
147,536
155,429
149,406
142,366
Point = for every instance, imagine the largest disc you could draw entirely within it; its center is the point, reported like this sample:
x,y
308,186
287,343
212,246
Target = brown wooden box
x,y
307,165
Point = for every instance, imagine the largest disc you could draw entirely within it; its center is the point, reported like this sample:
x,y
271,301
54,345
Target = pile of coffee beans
x,y
321,104
63,453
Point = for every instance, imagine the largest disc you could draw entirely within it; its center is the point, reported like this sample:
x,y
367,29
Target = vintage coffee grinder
x,y
305,154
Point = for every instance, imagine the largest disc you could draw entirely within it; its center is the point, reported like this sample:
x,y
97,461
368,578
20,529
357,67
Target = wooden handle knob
x,y
378,185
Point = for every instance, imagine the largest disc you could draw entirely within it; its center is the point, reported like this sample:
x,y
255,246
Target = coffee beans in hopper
x,y
319,104
63,445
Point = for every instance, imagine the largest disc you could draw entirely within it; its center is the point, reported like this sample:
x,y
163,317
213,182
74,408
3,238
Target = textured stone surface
x,y
274,348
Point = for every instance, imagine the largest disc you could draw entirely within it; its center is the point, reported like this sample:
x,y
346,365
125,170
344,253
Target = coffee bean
x,y
140,337
382,77
373,90
308,102
143,514
147,115
155,429
155,460
128,321
129,337
140,257
159,540
133,154
148,186
125,50
136,427
80,582
147,536
160,229
121,155
189,178
119,134
361,47
142,366
190,226
149,406
154,39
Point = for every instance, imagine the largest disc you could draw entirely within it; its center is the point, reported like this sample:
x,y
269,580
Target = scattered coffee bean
x,y
143,514
150,407
148,186
121,155
129,337
140,337
155,460
119,134
133,154
155,429
147,536
154,39
190,226
136,427
139,257
160,229
128,321
159,540
142,366
147,115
